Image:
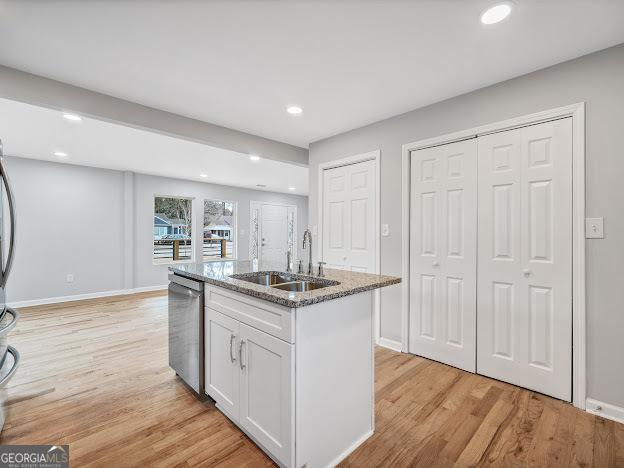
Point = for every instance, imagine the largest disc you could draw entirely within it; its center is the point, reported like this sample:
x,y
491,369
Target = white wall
x,y
97,224
69,220
596,79
146,187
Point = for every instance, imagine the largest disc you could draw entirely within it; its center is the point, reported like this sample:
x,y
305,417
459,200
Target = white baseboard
x,y
81,297
390,344
149,288
612,412
351,449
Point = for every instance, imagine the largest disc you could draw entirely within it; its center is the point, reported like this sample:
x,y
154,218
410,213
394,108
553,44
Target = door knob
x,y
435,263
526,272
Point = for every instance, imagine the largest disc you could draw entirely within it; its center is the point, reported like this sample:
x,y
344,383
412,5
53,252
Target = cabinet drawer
x,y
270,318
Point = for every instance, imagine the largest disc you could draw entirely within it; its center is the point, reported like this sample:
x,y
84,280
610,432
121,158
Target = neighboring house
x,y
164,226
219,227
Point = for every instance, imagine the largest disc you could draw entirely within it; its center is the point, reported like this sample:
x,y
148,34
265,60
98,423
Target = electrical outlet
x,y
594,228
385,230
70,278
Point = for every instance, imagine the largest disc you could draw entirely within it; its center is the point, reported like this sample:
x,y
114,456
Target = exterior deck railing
x,y
181,249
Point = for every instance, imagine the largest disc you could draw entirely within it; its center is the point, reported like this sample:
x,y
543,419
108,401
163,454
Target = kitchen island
x,y
289,358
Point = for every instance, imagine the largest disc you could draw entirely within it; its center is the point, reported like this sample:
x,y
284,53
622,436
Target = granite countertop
x,y
219,274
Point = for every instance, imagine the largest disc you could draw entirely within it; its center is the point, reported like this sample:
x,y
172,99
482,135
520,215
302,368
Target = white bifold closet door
x,y
524,296
443,253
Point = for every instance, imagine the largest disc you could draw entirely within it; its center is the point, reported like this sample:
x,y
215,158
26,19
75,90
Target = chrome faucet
x,y
307,238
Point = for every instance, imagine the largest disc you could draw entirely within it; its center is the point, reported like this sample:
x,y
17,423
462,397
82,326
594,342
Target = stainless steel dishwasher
x,y
186,331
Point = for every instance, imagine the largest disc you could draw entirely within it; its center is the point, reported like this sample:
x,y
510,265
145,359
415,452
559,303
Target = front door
x,y
273,233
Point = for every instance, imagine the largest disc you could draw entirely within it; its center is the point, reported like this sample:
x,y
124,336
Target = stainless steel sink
x,y
265,278
299,286
285,281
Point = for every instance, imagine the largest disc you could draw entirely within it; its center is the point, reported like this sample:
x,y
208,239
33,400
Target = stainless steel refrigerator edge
x,y
186,331
9,357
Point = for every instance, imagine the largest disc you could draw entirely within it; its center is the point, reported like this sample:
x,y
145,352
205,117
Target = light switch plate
x,y
594,228
385,230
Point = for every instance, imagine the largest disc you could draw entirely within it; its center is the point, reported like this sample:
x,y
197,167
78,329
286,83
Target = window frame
x,y
234,230
193,229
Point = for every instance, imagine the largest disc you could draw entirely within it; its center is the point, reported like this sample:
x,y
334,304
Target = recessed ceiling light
x,y
253,157
496,13
203,175
294,110
60,154
72,117
261,185
291,188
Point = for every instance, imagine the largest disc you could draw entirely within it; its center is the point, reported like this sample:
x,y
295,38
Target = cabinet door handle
x,y
240,355
232,355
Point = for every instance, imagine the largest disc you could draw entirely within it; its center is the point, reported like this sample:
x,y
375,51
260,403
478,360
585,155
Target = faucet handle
x,y
321,271
300,266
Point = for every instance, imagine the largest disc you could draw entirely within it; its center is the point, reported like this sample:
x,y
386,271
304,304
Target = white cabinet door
x,y
524,297
349,227
443,253
267,392
221,361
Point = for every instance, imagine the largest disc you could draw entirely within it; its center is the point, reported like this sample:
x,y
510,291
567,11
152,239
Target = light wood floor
x,y
95,376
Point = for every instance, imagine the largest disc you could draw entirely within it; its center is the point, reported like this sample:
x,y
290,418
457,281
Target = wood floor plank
x,y
604,443
95,376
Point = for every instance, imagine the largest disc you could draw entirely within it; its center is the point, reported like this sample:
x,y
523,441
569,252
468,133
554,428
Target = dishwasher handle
x,y
186,282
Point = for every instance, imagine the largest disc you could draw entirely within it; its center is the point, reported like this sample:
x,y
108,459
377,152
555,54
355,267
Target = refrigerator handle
x,y
6,269
16,361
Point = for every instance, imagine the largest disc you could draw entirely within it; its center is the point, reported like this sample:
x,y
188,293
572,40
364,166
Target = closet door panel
x,y
443,254
524,307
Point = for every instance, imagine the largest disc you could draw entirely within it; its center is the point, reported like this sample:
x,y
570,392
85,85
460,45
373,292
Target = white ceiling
x,y
36,132
347,63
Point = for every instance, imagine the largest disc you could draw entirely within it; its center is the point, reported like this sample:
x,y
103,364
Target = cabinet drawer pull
x,y
240,355
232,340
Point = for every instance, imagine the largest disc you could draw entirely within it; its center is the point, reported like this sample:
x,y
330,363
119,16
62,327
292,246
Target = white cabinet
x,y
250,375
299,382
221,361
266,391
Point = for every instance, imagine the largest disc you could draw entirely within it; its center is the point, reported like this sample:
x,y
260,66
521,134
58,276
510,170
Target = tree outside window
x,y
172,229
219,229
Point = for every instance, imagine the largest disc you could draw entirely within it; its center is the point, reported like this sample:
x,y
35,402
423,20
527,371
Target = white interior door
x,y
349,218
524,297
221,361
273,233
267,391
443,253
